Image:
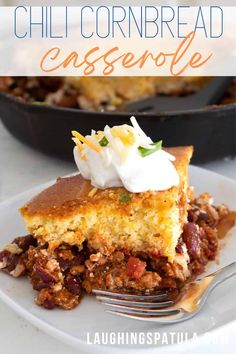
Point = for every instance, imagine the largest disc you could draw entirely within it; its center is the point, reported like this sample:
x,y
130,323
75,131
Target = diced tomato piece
x,y
135,268
156,254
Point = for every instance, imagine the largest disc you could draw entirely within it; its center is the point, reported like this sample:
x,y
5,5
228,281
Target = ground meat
x,y
50,274
62,275
114,277
57,276
12,257
119,271
62,298
45,299
65,299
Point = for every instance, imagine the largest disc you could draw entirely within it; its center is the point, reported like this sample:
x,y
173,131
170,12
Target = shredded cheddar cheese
x,y
126,136
99,135
84,140
80,148
92,192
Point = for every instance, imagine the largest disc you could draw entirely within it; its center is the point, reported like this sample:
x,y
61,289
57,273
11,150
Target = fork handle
x,y
224,273
219,277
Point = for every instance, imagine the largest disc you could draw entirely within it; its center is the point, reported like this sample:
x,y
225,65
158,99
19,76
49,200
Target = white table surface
x,y
23,168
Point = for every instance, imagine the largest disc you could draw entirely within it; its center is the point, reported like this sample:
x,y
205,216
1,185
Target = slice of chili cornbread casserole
x,y
72,211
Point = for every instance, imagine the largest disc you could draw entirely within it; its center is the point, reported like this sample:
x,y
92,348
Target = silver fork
x,y
157,308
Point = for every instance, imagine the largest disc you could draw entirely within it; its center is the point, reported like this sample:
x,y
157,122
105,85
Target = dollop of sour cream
x,y
124,156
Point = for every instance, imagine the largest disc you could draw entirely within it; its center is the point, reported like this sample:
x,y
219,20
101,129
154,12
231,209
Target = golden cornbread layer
x,y
72,211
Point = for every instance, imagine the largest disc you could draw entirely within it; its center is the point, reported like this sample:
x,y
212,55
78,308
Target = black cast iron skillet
x,y
211,130
209,94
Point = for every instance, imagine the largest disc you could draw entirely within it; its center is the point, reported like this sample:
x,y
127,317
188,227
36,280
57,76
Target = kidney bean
x,y
12,261
44,275
179,248
73,284
3,255
25,242
191,237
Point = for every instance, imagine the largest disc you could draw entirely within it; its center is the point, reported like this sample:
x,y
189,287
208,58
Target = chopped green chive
x,y
124,198
103,141
145,152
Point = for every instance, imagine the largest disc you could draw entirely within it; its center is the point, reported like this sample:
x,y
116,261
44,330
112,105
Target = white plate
x,y
72,327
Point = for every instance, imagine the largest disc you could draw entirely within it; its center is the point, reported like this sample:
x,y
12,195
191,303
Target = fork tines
x,y
129,305
110,294
135,304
